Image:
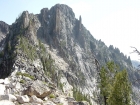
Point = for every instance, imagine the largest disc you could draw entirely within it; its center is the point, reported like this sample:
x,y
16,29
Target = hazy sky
x,y
116,22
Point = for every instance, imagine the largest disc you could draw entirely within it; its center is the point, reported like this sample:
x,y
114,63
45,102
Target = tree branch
x,y
135,50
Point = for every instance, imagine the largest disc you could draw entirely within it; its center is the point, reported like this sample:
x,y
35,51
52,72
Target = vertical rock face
x,y
4,30
62,31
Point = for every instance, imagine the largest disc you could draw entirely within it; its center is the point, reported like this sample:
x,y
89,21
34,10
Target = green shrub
x,y
60,104
52,96
22,81
79,96
26,75
18,73
26,47
1,54
61,86
48,65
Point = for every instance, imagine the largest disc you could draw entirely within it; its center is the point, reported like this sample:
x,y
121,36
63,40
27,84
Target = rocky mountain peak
x,y
63,8
53,49
4,27
4,30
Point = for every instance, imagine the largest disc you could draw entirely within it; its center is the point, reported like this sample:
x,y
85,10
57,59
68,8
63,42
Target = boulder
x,y
34,99
23,99
6,102
2,89
39,89
6,81
9,97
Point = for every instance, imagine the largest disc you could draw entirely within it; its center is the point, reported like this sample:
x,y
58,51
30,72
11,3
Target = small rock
x,y
6,102
9,97
34,99
26,78
45,99
2,89
73,103
12,85
35,104
56,100
48,103
70,99
1,81
18,86
6,81
23,99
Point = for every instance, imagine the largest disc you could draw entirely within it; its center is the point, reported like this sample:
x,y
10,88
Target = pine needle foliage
x,y
115,88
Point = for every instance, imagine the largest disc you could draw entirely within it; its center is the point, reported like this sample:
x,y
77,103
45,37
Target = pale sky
x,y
116,22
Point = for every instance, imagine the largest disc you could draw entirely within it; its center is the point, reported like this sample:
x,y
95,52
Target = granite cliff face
x,y
53,47
4,30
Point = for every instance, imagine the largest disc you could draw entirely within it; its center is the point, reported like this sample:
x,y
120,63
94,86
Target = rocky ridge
x,y
47,47
46,57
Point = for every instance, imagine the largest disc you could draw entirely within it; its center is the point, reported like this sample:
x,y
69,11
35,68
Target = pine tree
x,y
107,75
115,88
121,91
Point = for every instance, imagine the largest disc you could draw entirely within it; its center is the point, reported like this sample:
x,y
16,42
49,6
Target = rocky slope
x,y
50,57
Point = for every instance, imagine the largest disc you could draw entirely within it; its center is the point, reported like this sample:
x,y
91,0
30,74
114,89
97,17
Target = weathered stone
x,y
1,81
9,97
6,81
70,99
39,89
23,99
73,103
27,78
6,102
34,99
18,86
35,104
48,103
2,89
45,99
83,103
56,100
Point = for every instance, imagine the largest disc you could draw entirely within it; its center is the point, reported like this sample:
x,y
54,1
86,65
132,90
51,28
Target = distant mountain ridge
x,y
135,63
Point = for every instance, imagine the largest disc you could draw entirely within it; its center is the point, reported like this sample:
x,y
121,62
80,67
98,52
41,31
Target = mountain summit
x,y
50,57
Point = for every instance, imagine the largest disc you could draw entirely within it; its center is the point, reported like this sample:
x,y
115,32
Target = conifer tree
x,y
121,91
115,88
107,75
